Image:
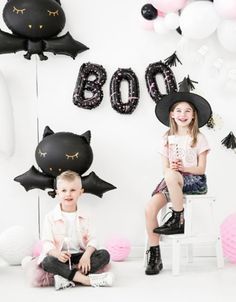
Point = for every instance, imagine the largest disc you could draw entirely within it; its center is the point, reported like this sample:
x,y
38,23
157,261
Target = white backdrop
x,y
124,146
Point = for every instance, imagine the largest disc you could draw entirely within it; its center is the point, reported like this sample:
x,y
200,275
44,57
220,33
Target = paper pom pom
x,y
35,275
119,248
228,237
15,244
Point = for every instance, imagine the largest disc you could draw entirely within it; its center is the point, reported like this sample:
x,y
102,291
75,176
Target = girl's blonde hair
x,y
193,126
69,176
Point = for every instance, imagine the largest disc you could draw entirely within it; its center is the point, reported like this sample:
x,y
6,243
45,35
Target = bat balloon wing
x,y
34,179
95,185
10,43
64,45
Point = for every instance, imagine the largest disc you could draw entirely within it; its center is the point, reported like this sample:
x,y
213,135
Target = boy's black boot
x,y
174,225
154,265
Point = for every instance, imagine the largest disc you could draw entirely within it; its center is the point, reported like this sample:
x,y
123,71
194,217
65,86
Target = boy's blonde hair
x,y
69,176
193,126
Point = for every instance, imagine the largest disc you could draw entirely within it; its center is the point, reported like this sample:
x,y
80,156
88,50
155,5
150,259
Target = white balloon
x,y
6,120
226,8
199,20
226,33
171,21
160,27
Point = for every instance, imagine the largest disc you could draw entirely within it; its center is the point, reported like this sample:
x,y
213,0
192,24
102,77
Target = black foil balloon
x,y
159,68
58,152
229,141
124,74
149,12
35,25
84,84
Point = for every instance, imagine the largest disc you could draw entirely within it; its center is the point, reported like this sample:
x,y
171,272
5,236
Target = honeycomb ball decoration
x,y
119,248
16,243
228,237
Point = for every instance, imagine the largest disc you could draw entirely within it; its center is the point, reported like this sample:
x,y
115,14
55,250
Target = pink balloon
x,y
147,24
168,6
226,8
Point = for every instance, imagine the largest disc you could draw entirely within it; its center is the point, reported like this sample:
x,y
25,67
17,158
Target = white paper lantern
x,y
15,244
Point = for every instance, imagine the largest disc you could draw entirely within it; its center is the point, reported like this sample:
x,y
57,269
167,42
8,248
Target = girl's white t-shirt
x,y
179,147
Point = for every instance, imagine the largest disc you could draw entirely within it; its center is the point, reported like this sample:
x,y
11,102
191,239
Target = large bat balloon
x,y
35,25
58,152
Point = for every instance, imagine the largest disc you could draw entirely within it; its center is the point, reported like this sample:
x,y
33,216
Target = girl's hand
x,y
174,165
64,256
180,166
84,264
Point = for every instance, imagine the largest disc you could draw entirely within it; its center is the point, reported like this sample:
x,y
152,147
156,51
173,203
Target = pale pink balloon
x,y
168,6
226,8
147,24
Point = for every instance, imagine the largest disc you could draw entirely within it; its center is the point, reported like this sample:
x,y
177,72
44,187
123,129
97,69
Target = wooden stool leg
x,y
175,257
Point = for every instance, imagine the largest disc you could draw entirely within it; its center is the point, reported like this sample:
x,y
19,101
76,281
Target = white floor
x,y
198,281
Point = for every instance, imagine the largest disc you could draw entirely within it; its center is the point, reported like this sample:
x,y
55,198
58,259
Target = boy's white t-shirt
x,y
179,147
71,241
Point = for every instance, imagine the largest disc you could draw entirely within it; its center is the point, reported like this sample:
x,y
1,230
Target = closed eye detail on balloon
x,y
63,151
35,26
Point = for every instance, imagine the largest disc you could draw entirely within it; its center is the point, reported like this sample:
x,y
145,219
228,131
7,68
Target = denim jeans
x,y
51,264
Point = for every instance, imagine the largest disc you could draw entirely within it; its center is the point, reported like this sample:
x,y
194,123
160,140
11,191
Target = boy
x,y
69,247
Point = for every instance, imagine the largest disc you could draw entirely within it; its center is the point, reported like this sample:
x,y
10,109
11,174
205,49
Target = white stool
x,y
192,231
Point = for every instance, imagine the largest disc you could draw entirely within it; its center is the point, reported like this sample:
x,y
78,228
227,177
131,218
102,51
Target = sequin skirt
x,y
193,184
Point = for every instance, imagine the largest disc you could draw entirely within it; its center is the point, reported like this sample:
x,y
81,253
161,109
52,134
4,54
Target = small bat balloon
x,y
35,25
58,152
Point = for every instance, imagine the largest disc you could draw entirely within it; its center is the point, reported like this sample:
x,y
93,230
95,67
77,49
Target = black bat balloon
x,y
35,25
58,152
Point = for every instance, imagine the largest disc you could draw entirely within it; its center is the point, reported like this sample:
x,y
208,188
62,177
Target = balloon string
x,y
37,129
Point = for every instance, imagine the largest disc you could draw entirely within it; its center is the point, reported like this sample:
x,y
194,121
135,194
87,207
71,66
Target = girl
x,y
184,153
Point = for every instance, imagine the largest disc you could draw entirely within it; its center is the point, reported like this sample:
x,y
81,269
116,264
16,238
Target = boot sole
x,y
160,267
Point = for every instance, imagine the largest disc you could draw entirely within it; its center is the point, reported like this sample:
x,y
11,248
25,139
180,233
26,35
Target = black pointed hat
x,y
202,106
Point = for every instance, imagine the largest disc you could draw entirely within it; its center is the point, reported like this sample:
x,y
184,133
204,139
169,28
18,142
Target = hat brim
x,y
203,108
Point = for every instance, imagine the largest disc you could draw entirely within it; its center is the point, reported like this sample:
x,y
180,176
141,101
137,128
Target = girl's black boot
x,y
154,263
174,225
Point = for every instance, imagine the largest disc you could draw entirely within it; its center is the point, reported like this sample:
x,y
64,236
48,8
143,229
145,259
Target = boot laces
x,y
152,257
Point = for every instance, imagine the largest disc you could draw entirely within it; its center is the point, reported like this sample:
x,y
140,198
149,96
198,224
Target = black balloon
x,y
35,25
124,74
159,68
83,84
58,152
149,12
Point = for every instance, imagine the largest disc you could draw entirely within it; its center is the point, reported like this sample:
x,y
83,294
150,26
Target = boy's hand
x,y
84,264
64,256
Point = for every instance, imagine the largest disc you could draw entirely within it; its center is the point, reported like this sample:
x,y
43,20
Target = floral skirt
x,y
193,184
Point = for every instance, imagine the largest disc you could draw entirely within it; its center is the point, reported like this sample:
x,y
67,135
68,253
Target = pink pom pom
x,y
119,248
228,237
37,248
36,276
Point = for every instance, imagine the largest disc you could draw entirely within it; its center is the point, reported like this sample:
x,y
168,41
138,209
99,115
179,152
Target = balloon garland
x,y
83,84
128,75
150,76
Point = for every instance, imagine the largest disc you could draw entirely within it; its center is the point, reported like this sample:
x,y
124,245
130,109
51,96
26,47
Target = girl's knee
x,y
171,176
154,205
